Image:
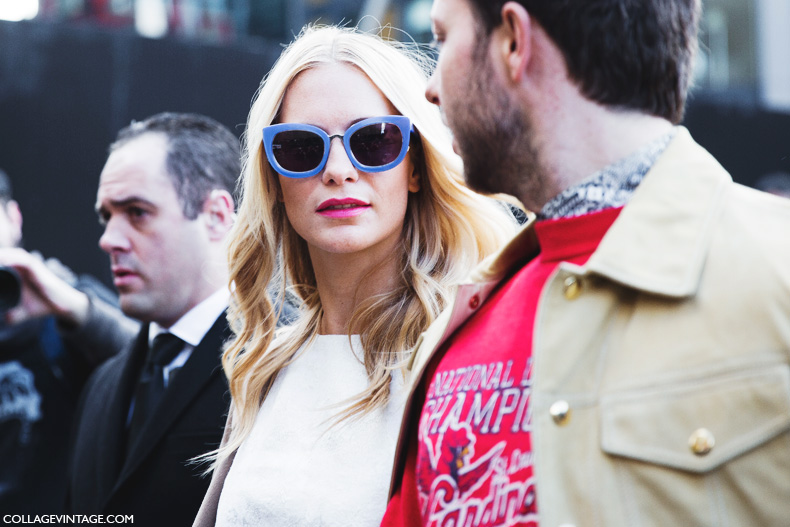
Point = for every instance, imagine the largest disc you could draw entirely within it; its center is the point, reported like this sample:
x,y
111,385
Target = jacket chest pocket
x,y
709,452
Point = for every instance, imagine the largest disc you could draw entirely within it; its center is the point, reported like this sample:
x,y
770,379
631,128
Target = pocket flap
x,y
736,412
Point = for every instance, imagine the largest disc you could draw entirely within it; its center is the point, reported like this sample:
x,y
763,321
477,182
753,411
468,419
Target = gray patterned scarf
x,y
610,187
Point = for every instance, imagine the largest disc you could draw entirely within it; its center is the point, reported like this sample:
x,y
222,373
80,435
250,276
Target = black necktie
x,y
151,385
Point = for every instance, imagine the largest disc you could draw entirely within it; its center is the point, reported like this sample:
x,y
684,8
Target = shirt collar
x,y
193,326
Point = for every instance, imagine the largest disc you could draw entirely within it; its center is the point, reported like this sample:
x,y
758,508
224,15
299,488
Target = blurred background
x,y
73,72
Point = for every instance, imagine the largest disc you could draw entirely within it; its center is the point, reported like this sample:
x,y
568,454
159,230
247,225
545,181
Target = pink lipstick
x,y
342,208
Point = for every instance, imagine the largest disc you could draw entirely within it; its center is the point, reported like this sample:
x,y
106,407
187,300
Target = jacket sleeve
x,y
106,332
207,514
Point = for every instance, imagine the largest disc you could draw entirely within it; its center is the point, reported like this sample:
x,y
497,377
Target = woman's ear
x,y
414,180
416,163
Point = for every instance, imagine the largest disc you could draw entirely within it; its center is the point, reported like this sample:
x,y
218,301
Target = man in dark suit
x,y
165,200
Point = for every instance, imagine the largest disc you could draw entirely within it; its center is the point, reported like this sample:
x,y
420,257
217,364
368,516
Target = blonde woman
x,y
352,195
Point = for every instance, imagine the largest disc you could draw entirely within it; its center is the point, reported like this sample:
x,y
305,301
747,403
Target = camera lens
x,y
10,288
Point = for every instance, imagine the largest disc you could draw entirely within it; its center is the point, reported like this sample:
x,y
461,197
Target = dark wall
x,y
65,91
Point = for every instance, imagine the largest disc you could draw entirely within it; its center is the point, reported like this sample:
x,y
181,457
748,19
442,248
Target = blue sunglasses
x,y
373,145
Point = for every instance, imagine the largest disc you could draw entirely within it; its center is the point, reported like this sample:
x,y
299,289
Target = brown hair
x,y
202,155
633,54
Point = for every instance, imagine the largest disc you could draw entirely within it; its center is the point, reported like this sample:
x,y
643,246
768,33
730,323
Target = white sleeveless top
x,y
295,468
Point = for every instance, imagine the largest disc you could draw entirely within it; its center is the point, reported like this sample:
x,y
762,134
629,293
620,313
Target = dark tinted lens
x,y
377,144
298,150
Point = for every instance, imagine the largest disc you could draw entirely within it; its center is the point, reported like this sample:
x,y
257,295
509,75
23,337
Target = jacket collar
x,y
682,194
200,369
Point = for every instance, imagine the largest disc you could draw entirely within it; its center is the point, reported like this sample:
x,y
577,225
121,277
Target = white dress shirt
x,y
192,327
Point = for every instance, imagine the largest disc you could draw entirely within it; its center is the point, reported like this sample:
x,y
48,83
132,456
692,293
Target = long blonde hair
x,y
447,230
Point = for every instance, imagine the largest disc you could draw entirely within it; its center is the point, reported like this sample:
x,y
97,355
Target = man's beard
x,y
495,138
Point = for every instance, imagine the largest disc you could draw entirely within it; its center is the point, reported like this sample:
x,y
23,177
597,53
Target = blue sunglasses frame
x,y
403,123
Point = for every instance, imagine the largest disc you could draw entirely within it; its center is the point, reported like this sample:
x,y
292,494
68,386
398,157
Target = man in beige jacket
x,y
624,360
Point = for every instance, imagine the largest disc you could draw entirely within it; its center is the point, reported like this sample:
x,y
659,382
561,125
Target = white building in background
x,y
745,45
773,53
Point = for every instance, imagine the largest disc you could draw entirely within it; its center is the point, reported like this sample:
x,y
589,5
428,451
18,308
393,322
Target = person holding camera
x,y
55,327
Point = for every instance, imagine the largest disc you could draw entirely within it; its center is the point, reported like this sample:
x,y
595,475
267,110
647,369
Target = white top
x,y
295,469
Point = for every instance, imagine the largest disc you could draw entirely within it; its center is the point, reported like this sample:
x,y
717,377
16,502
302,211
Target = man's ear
x,y
218,211
515,40
15,220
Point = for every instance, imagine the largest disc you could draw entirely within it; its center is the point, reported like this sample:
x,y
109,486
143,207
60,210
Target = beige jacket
x,y
661,385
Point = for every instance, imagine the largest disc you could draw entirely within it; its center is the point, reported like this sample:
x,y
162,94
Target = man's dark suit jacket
x,y
155,482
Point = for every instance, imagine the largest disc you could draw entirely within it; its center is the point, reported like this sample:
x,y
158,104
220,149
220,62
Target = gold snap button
x,y
560,411
474,302
571,287
701,442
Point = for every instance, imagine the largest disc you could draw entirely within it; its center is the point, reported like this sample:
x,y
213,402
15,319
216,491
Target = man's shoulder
x,y
219,331
753,241
109,372
771,207
756,220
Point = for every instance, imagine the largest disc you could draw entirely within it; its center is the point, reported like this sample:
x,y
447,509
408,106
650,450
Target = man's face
x,y
157,255
492,134
10,224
